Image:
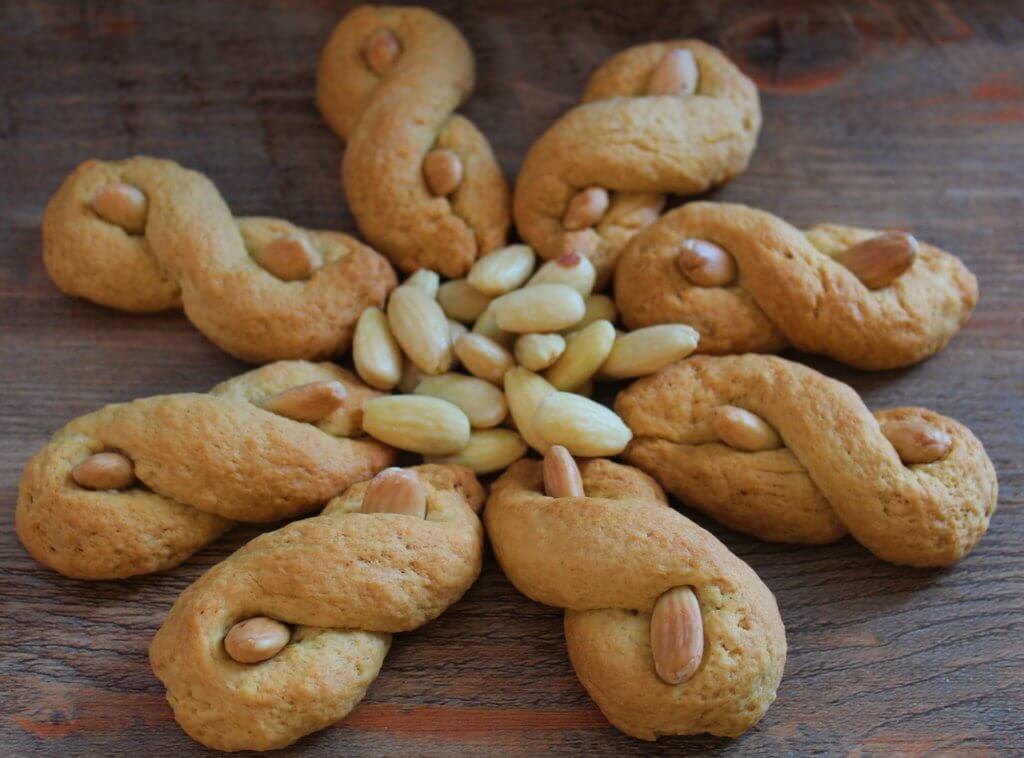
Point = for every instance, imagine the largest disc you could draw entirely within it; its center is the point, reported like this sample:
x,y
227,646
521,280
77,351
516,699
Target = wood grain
x,y
901,114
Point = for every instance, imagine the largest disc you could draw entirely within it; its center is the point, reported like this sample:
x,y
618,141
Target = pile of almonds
x,y
529,341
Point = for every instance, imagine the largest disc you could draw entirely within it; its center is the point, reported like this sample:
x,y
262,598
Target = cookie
x,y
785,287
147,235
914,487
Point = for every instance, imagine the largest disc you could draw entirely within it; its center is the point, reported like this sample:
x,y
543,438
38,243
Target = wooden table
x,y
877,114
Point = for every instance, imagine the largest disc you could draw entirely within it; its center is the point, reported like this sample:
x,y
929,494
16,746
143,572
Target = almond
x,y
879,260
561,474
421,329
584,354
596,308
308,403
541,308
917,441
538,351
396,490
524,391
375,352
461,301
572,269
442,171
289,258
503,270
675,74
482,402
489,450
484,358
487,326
677,635
256,639
650,349
104,471
585,208
425,280
743,430
583,427
381,51
706,264
421,424
122,205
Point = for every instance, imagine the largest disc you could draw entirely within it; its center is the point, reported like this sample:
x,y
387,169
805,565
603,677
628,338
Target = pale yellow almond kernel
x,y
426,281
538,351
917,441
289,258
675,74
411,377
503,270
421,424
572,269
396,490
461,301
584,354
524,391
482,402
584,427
650,349
561,474
442,171
706,264
104,471
881,259
743,430
585,208
543,308
381,51
455,332
597,308
375,352
487,326
489,450
123,205
256,639
308,403
484,358
677,635
421,329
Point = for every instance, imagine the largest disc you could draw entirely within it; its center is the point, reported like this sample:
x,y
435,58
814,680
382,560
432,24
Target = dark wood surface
x,y
877,114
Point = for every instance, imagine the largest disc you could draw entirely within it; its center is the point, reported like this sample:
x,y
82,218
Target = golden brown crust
x,y
194,254
791,291
837,471
203,461
606,558
345,581
391,122
637,147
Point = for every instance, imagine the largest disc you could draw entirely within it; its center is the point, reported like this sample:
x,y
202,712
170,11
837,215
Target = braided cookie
x,y
138,487
750,282
674,117
668,631
422,182
774,449
387,556
146,235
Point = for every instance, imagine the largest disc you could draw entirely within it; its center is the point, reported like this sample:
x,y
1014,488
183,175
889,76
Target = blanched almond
x,y
584,354
375,352
538,351
675,74
484,358
561,474
572,269
524,391
421,329
411,377
585,208
583,427
308,402
677,635
706,264
489,450
289,258
502,270
425,280
650,349
917,441
421,424
396,490
879,260
461,301
743,430
123,205
596,308
381,51
542,308
256,639
442,171
482,402
104,471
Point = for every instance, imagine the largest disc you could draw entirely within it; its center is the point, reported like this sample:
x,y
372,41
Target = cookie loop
x,y
422,181
873,301
344,582
631,556
912,486
188,467
259,288
668,117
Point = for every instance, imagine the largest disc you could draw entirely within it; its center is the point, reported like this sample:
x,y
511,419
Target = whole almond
x,y
572,269
675,74
677,635
482,402
743,430
425,280
289,258
650,349
706,264
256,639
502,270
420,424
585,208
396,490
375,352
524,391
442,171
561,474
461,301
583,427
421,329
879,260
538,351
381,51
104,471
489,450
584,354
308,403
917,441
542,308
596,308
484,358
123,205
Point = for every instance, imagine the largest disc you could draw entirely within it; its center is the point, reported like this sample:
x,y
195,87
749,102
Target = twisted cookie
x,y
776,450
146,235
138,487
668,631
385,557
750,282
422,182
673,117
